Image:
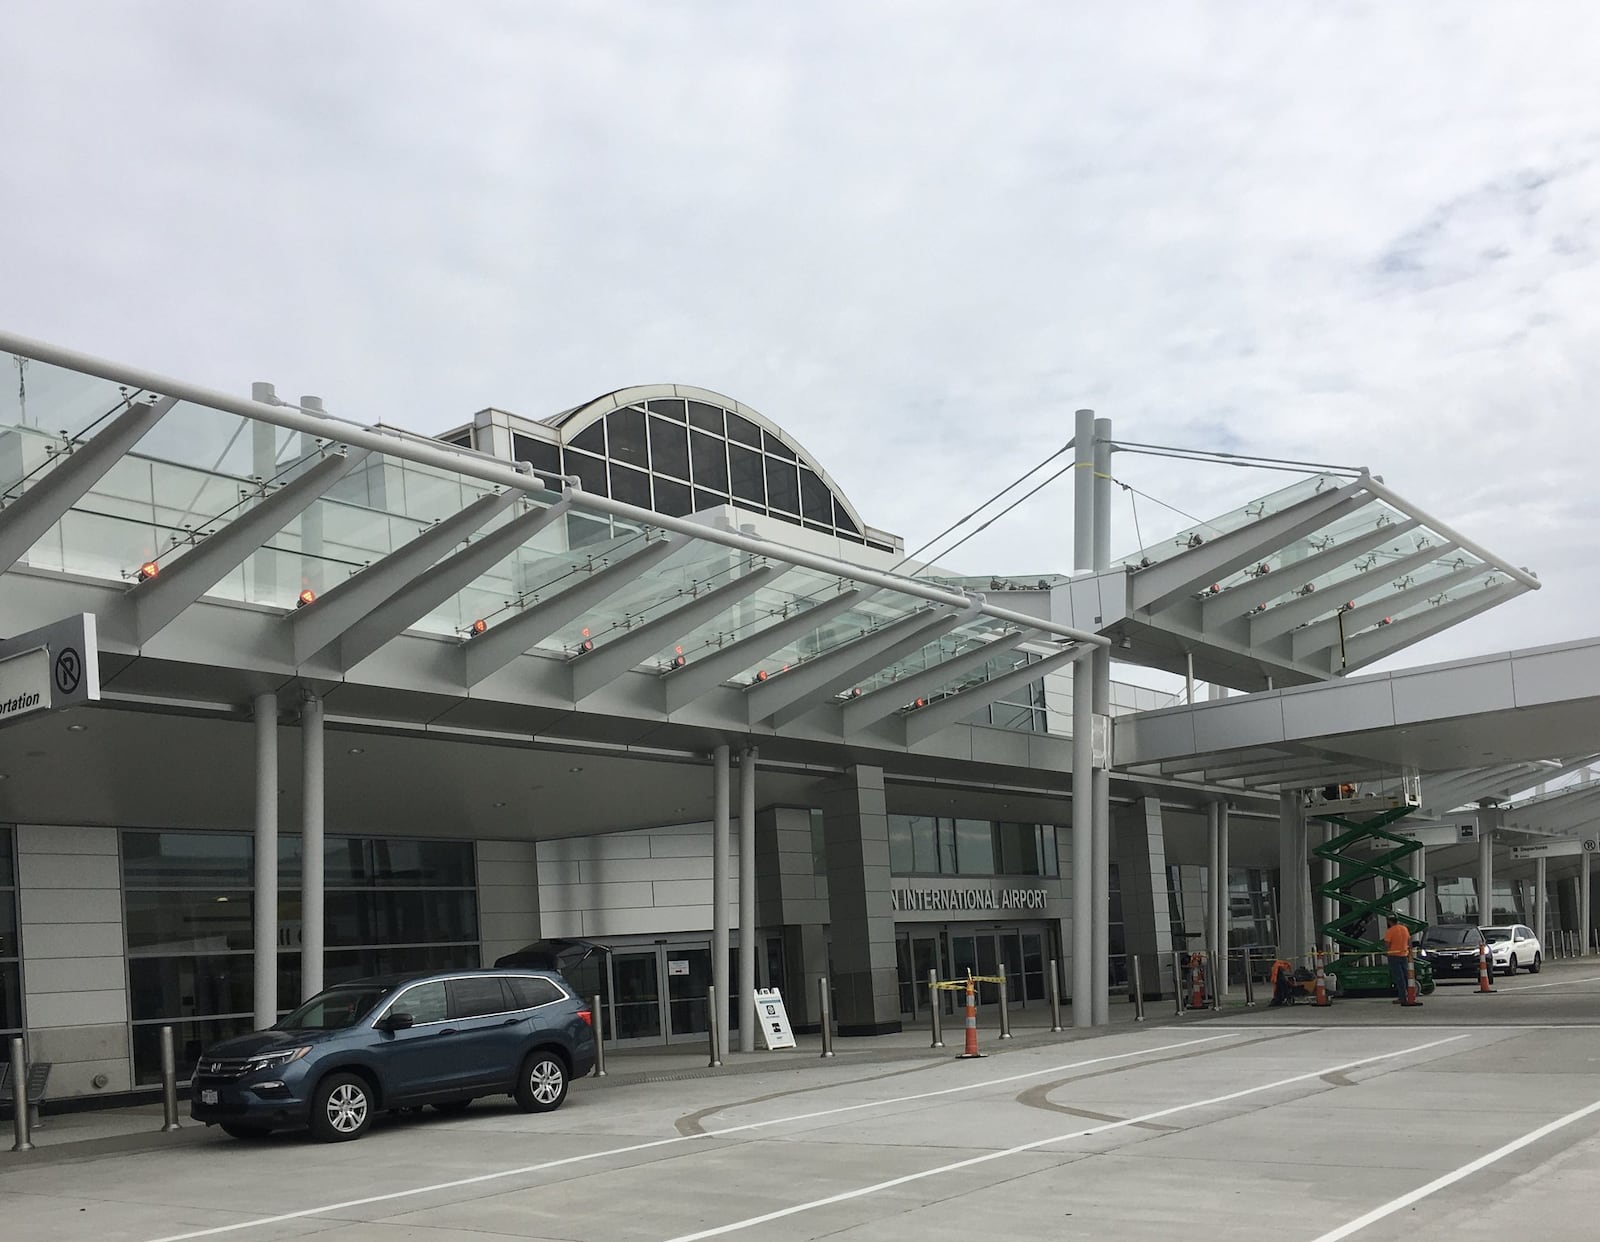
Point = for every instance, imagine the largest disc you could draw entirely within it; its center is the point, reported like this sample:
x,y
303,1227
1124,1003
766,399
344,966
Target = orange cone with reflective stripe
x,y
1483,968
972,1021
1197,976
1322,984
1411,981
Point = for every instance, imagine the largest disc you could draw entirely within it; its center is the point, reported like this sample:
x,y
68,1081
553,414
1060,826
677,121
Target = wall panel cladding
x,y
508,897
631,883
75,973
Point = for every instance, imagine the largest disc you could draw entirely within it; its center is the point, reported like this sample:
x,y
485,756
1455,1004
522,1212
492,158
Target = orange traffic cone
x,y
1322,985
1411,981
972,1021
1197,976
1483,969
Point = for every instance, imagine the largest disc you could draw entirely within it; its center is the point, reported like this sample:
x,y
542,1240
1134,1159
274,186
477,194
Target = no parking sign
x,y
773,1020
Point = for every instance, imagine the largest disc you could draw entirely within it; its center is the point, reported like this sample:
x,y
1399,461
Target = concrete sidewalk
x,y
97,1132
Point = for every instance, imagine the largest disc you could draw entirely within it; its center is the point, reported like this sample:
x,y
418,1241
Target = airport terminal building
x,y
343,700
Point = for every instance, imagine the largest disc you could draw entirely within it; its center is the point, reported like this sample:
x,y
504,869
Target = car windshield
x,y
335,1009
1450,935
1495,935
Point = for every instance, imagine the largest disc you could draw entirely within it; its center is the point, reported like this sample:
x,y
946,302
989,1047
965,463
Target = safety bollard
x,y
933,1010
971,1049
169,1083
596,1015
711,1023
1055,999
1249,982
1005,1006
19,1098
1177,979
1138,988
825,1008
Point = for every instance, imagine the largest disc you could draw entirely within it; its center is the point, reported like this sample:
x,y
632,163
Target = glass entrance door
x,y
636,1007
688,989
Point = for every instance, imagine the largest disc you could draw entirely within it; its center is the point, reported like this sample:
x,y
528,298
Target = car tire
x,y
1511,966
452,1106
341,1108
1535,966
233,1130
542,1082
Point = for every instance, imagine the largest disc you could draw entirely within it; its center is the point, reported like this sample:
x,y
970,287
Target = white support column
x,y
1083,861
1293,879
1224,915
311,858
719,891
747,900
1213,887
1419,899
1324,905
1102,709
1486,822
1584,934
266,858
1541,904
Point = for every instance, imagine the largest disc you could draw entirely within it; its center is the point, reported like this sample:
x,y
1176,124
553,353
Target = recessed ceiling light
x,y
77,728
358,750
574,769
222,899
497,804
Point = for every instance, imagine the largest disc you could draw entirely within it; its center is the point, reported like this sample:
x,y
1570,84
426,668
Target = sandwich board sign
x,y
772,1020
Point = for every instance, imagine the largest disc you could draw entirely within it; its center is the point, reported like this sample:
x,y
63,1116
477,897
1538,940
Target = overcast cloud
x,y
916,235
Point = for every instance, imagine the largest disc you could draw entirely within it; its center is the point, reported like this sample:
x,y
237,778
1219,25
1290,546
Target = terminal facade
x,y
638,675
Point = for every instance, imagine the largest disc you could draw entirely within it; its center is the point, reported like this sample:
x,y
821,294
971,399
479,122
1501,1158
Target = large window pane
x,y
342,965
671,407
706,417
743,430
592,439
669,449
393,916
1019,848
540,454
10,997
187,860
673,499
902,860
185,921
591,472
816,501
975,846
776,447
398,862
171,987
710,460
189,1040
783,485
924,845
747,475
632,487
626,436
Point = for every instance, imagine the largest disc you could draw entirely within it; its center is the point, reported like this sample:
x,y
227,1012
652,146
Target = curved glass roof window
x,y
678,451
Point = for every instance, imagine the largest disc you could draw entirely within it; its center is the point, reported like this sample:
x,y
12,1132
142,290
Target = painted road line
x,y
987,1157
653,1144
1514,988
1449,1179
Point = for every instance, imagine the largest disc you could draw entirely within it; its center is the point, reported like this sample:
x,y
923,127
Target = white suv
x,y
1514,946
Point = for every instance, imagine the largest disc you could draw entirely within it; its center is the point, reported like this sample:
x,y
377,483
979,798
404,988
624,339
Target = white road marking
x,y
1449,1179
767,1217
1554,983
678,1138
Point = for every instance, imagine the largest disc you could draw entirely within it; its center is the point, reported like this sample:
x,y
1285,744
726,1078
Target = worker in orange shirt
x,y
1397,944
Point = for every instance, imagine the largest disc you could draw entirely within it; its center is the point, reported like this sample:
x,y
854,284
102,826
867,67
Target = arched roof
x,y
573,422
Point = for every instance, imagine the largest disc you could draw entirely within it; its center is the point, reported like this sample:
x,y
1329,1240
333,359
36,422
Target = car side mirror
x,y
396,1022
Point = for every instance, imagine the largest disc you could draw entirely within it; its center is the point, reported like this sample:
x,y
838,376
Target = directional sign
x,y
1427,834
50,668
1554,849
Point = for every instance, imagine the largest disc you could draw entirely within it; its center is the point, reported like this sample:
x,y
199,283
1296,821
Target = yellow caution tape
x,y
960,985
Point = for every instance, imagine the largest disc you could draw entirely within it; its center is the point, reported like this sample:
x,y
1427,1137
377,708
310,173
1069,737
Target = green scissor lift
x,y
1366,852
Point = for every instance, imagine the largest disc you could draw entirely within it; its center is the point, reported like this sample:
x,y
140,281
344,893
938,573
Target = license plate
x,y
208,1097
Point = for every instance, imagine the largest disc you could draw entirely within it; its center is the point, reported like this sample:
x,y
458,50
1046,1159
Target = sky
x,y
915,235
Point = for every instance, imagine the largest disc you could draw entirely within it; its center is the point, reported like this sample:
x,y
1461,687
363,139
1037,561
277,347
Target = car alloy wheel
x,y
1511,967
343,1109
542,1085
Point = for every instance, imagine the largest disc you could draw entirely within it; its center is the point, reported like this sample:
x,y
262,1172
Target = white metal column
x,y
747,900
1101,702
1224,916
1541,905
719,892
1486,819
1213,887
1083,742
311,859
1324,905
1293,879
266,851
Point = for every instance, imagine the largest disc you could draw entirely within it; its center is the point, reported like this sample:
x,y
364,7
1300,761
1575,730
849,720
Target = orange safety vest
x,y
1397,940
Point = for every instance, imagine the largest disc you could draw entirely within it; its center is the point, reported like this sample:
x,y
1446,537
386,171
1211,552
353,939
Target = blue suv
x,y
400,1041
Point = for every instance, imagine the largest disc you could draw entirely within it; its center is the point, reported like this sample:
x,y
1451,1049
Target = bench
x,y
38,1079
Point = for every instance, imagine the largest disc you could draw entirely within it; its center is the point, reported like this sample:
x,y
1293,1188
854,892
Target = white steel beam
x,y
886,700
1282,618
1325,633
923,722
1373,645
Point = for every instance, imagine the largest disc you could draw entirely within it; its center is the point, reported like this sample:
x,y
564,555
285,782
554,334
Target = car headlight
x,y
272,1060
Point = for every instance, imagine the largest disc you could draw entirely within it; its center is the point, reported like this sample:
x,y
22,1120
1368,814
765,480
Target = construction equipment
x,y
1370,881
